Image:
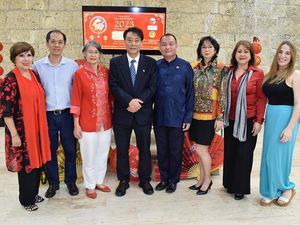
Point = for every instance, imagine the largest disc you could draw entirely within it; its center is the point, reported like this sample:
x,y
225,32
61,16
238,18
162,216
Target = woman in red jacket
x,y
91,107
243,117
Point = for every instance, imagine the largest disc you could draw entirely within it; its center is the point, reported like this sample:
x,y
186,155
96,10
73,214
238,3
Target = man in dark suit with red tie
x,y
132,80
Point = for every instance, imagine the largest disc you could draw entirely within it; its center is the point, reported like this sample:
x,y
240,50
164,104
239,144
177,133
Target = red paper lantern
x,y
1,46
257,60
1,58
256,47
1,70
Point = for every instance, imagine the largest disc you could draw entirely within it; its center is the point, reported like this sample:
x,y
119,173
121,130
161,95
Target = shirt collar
x,y
62,61
136,59
172,61
89,68
253,68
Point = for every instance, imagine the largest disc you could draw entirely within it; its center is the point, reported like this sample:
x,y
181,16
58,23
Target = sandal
x,y
30,208
38,199
283,201
266,201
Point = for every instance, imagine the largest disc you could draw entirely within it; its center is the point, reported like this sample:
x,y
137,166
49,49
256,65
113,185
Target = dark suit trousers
x,y
122,137
28,186
238,159
169,142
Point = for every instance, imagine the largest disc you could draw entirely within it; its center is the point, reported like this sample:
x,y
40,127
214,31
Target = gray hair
x,y
92,43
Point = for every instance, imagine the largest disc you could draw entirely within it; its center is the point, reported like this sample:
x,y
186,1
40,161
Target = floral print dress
x,y
16,157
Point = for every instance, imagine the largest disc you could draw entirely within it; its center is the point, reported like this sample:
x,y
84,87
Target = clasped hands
x,y
135,105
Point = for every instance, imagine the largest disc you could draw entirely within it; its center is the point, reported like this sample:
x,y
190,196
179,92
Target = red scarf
x,y
33,107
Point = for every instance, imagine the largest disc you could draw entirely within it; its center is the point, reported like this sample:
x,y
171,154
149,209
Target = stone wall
x,y
227,20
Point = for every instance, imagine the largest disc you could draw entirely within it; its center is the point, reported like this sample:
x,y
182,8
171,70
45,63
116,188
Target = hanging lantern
x,y
257,60
256,45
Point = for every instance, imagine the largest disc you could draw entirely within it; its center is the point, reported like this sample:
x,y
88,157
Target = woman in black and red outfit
x,y
243,117
27,145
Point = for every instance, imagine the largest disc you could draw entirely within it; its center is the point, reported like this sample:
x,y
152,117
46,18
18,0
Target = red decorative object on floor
x,y
133,153
190,159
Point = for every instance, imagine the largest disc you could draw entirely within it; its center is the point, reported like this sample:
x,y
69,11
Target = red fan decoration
x,y
133,153
190,158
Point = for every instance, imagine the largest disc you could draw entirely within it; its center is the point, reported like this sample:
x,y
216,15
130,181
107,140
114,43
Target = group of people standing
x,y
56,98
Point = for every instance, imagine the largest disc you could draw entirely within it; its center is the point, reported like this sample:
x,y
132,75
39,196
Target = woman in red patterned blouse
x,y
27,145
243,117
91,107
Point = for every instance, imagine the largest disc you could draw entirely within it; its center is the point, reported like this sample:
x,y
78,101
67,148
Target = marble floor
x,y
181,207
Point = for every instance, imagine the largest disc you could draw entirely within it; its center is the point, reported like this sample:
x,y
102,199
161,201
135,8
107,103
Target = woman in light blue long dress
x,y
282,88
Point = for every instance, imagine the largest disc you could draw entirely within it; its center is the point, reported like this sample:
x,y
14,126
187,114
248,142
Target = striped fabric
x,y
240,121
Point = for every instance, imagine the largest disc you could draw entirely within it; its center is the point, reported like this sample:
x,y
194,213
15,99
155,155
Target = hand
x,y
256,129
16,140
286,135
186,126
218,125
130,110
135,105
77,132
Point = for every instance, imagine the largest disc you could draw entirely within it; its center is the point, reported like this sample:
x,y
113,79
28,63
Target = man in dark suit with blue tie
x,y
132,80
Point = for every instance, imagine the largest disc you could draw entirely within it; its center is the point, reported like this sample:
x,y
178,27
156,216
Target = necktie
x,y
132,71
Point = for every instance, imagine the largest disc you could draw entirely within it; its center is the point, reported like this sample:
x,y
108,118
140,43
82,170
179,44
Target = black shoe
x,y
51,191
200,192
122,187
73,189
147,188
238,196
229,191
31,208
194,187
171,188
38,199
161,186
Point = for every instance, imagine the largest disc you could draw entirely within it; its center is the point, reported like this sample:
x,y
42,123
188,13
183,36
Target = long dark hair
x,y
213,42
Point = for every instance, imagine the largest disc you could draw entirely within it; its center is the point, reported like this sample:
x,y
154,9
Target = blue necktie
x,y
132,71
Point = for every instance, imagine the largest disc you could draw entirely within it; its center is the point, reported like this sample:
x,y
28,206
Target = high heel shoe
x,y
194,187
200,192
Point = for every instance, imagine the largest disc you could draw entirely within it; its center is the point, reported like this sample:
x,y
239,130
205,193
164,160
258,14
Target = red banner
x,y
107,28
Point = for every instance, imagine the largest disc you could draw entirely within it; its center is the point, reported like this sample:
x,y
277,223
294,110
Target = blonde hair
x,y
275,75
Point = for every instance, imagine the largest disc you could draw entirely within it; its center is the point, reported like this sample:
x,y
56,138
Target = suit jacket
x,y
123,90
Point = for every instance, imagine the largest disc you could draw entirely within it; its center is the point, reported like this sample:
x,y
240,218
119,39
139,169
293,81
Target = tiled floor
x,y
182,207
